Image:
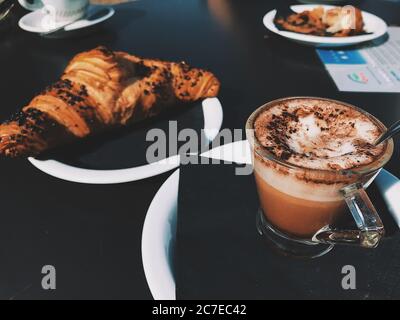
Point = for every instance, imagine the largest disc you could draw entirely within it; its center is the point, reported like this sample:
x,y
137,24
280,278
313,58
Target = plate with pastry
x,y
324,25
97,122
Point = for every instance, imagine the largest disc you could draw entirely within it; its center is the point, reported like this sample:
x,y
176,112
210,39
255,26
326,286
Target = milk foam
x,y
318,134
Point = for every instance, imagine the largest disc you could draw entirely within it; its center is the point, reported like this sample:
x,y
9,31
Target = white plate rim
x,y
79,24
160,224
159,228
317,40
213,117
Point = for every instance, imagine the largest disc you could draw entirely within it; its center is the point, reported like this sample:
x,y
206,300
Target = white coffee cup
x,y
59,10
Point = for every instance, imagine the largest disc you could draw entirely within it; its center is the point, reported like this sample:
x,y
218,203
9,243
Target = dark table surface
x,y
92,233
219,254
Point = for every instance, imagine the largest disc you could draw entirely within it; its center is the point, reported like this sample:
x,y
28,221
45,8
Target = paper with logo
x,y
375,68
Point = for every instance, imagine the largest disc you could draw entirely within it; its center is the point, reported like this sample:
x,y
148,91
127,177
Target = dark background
x,y
219,254
92,233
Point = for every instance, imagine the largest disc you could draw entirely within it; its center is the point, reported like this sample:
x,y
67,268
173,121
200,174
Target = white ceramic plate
x,y
213,116
158,240
373,24
33,21
159,230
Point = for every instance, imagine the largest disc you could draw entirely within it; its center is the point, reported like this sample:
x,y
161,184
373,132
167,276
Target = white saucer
x,y
213,117
374,25
159,230
32,22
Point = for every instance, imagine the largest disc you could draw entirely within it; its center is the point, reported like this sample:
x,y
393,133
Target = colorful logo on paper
x,y
358,77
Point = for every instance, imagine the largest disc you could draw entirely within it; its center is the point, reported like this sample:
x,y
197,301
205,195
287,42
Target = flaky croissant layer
x,y
101,89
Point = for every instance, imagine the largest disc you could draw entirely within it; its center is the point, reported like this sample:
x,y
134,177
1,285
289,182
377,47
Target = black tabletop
x,y
92,233
219,254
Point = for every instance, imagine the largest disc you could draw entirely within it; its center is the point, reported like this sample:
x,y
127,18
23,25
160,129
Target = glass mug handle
x,y
370,227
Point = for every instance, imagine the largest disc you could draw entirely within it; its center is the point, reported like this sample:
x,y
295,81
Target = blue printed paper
x,y
341,57
370,69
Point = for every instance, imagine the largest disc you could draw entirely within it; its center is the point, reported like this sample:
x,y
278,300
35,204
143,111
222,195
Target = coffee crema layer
x,y
318,134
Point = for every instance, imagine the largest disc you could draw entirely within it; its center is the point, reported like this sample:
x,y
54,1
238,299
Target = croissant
x,y
101,89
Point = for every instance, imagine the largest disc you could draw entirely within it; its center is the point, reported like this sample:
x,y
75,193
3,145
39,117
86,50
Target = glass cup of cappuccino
x,y
313,159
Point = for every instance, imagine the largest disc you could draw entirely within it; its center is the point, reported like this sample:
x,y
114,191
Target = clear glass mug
x,y
299,206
